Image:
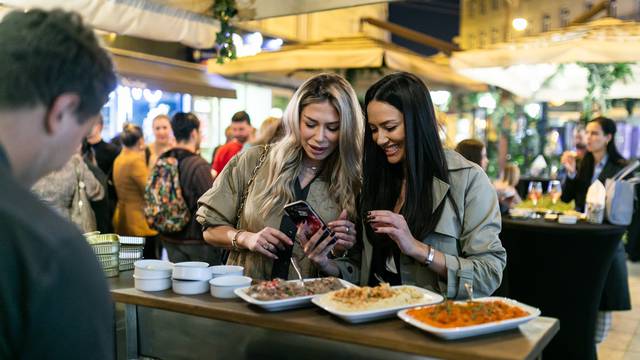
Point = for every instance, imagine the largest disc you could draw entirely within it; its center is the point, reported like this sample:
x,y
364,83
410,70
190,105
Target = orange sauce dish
x,y
451,315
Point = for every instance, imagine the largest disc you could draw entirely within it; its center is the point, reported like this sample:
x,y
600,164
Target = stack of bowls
x,y
191,278
227,278
131,248
152,275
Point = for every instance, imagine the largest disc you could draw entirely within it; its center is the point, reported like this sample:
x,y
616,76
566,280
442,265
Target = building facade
x,y
485,22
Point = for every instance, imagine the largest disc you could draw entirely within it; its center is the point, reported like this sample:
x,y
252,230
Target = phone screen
x,y
306,218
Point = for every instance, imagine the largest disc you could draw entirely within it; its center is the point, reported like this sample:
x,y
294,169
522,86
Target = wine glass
x,y
555,190
535,192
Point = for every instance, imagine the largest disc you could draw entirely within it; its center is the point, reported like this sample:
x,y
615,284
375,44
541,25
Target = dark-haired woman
x,y
602,161
130,175
432,216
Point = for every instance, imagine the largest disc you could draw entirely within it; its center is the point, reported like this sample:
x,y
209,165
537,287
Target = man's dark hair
x,y
183,124
44,54
241,116
130,135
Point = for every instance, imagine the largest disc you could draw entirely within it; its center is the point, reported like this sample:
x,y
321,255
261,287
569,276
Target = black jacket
x,y
54,302
576,188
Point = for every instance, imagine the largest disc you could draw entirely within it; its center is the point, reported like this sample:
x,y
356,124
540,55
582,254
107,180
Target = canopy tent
x,y
147,71
346,53
524,65
140,18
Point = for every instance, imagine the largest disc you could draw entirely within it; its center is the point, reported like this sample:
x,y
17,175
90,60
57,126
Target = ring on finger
x,y
348,229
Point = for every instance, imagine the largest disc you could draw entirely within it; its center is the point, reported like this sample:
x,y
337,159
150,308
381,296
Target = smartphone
x,y
304,216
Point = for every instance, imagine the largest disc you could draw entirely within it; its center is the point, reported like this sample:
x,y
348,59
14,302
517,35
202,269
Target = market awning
x,y
140,18
525,65
153,72
345,53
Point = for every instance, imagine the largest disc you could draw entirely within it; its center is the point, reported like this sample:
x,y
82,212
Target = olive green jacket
x,y
473,252
219,206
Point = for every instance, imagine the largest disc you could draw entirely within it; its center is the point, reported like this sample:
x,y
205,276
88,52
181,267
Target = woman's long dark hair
x,y
424,157
585,172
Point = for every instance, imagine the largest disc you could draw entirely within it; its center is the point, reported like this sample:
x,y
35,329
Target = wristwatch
x,y
431,254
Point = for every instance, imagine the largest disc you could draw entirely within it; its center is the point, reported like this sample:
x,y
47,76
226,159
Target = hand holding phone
x,y
308,222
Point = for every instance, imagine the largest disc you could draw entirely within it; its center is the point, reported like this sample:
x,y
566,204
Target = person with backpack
x,y
178,179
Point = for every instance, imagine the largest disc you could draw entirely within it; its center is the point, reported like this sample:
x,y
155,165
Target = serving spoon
x,y
297,269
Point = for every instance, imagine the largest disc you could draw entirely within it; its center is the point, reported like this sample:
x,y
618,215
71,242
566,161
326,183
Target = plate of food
x,y
278,294
460,319
362,304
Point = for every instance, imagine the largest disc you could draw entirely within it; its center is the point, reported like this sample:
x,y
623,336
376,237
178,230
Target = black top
x,y
195,180
105,155
54,302
288,227
576,188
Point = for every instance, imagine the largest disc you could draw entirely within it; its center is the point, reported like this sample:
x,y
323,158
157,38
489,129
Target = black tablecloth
x,y
560,269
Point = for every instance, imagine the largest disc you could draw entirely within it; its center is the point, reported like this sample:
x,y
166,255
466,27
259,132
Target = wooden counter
x,y
392,334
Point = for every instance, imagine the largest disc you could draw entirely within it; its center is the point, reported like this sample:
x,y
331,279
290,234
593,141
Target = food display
x,y
454,315
279,289
371,298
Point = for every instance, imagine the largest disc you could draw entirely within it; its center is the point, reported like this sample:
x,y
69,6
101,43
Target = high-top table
x,y
170,326
561,269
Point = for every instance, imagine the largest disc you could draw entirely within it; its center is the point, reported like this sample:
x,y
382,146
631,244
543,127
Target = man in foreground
x,y
54,78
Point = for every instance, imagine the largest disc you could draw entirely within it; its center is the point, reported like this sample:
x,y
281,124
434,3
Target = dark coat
x,y
616,289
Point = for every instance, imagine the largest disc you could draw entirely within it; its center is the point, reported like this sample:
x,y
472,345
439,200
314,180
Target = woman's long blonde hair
x,y
285,157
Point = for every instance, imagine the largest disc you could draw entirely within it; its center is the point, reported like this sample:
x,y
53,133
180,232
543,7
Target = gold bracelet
x,y
234,241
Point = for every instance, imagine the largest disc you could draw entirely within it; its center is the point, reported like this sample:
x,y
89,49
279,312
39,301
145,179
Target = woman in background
x,y
506,187
60,190
474,151
601,161
164,139
130,175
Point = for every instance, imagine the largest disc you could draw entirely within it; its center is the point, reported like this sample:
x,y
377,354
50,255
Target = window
x,y
494,35
472,8
588,4
495,4
564,17
546,22
481,39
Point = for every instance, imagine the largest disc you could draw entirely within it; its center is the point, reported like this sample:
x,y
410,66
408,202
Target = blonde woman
x,y
164,139
506,187
317,160
270,131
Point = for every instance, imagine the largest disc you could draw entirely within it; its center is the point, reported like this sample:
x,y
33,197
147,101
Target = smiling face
x,y
319,130
387,127
162,130
597,140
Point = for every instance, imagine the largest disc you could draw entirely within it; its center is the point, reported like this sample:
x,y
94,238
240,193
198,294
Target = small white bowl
x,y
152,269
567,219
226,270
223,287
145,284
185,287
192,270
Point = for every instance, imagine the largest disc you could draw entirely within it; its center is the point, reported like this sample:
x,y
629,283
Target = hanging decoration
x,y
601,78
224,11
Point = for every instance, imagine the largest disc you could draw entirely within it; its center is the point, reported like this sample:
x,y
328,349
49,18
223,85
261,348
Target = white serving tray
x,y
474,330
355,317
283,304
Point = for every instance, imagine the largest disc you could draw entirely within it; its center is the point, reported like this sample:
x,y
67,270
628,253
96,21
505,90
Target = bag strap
x,y
243,200
627,170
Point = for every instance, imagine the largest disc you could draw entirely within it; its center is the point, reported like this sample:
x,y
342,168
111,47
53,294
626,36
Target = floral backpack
x,y
165,207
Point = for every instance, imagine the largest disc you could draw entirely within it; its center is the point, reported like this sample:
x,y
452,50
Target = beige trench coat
x,y
219,205
473,252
